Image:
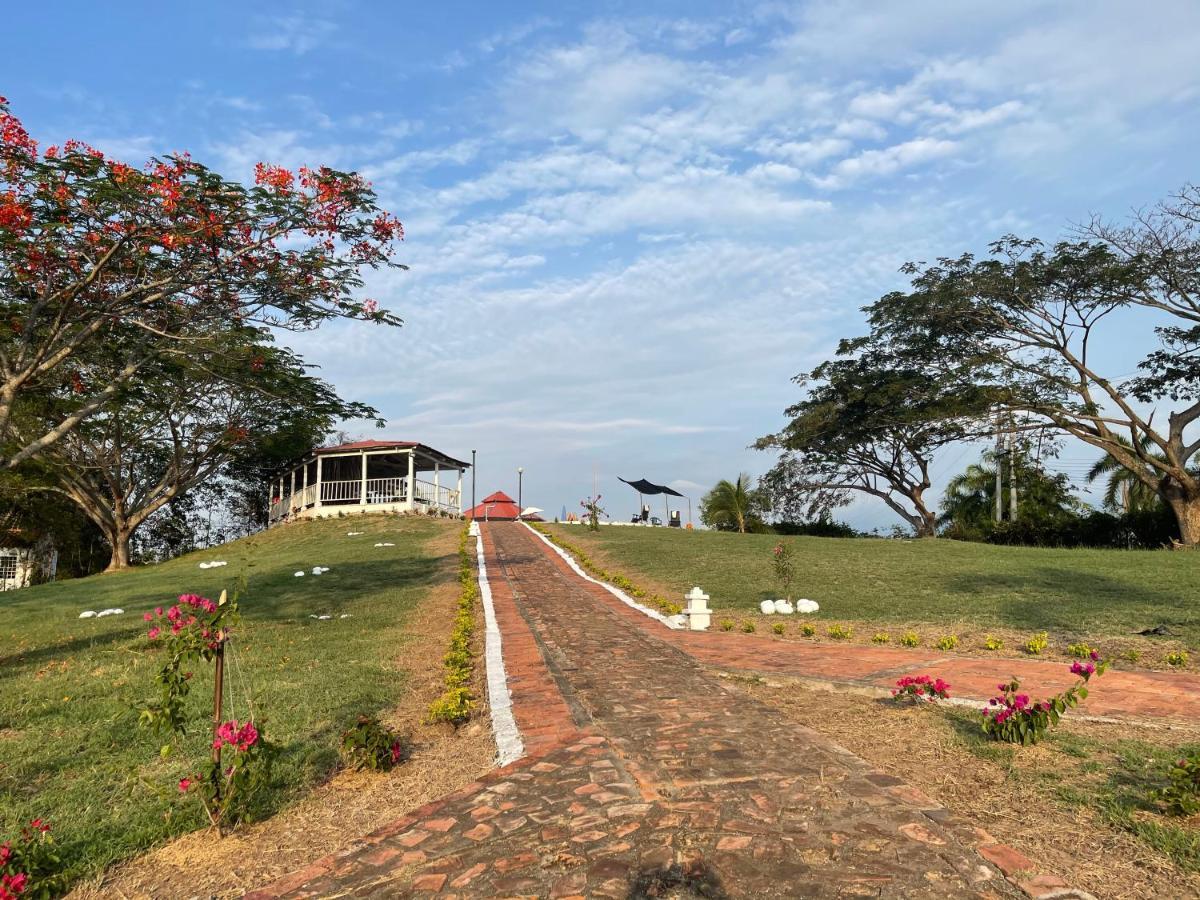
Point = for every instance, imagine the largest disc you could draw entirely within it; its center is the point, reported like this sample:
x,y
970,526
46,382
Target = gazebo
x,y
368,476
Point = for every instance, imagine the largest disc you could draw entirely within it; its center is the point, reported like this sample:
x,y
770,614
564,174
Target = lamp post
x,y
520,485
472,482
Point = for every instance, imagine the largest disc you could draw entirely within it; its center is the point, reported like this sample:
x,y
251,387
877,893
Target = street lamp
x,y
520,485
472,482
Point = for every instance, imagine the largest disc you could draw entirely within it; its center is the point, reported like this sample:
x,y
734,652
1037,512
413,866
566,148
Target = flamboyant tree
x,y
179,425
1028,318
157,261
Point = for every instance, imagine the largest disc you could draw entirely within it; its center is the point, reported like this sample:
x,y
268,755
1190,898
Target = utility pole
x,y
520,492
472,480
999,470
1012,475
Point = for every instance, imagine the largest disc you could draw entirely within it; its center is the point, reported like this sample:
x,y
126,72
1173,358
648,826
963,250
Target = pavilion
x,y
368,476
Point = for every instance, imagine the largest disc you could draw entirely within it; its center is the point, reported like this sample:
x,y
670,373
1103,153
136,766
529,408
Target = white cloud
x,y
295,34
877,163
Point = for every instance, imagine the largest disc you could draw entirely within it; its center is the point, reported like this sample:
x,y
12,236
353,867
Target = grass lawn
x,y
71,751
1074,592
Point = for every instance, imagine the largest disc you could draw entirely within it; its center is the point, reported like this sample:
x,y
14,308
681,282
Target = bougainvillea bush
x,y
369,744
234,779
29,865
1014,718
921,688
1181,796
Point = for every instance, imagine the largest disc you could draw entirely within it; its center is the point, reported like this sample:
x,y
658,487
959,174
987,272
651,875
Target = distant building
x,y
498,507
24,562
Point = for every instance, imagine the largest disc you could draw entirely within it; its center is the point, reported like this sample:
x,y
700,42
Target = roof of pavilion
x,y
375,446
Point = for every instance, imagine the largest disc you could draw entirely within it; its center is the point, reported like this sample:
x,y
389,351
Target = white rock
x,y
312,615
785,607
110,612
299,574
323,618
677,621
344,616
205,565
385,544
88,614
354,533
767,607
807,606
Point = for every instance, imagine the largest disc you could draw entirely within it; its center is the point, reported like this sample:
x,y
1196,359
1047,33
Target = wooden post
x,y
362,490
437,485
218,697
292,497
412,480
459,492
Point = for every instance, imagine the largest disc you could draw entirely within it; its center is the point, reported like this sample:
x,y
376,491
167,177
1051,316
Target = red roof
x,y
393,445
494,506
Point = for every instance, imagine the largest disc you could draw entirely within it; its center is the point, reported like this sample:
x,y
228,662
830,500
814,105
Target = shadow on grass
x,y
17,663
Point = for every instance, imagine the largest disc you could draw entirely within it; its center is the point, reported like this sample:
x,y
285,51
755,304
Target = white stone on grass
x,y
354,533
767,607
807,606
344,616
110,612
385,544
323,618
785,607
88,614
299,574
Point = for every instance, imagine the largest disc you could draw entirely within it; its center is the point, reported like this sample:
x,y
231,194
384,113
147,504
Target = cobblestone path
x,y
647,778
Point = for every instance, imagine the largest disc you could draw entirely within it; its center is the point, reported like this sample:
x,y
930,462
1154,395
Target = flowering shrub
x,y
29,865
1182,796
455,703
1013,718
727,624
239,770
921,688
748,627
881,637
369,744
1036,644
591,506
840,632
808,630
778,628
190,630
1177,658
910,639
1079,651
947,642
783,565
992,643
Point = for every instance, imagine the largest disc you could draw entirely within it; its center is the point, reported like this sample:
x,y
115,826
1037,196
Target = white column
x,y
460,509
362,490
318,503
304,484
293,494
437,485
412,480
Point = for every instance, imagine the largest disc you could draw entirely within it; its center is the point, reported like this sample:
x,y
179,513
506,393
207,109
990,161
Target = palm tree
x,y
732,506
1124,491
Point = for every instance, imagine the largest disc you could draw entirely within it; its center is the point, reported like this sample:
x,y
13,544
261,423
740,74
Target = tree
x,y
870,424
969,501
1026,321
733,506
173,429
1123,491
155,262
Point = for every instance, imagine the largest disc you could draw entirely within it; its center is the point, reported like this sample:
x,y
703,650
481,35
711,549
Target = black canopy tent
x,y
644,487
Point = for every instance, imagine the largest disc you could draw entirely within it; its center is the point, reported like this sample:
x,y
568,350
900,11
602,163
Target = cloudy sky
x,y
630,224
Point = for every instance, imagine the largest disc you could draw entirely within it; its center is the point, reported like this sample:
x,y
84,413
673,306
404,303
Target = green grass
x,y
1086,592
71,751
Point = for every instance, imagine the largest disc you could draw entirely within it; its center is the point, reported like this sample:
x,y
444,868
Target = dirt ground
x,y
348,806
1006,795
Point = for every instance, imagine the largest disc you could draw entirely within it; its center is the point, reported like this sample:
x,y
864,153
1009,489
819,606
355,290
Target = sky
x,y
629,225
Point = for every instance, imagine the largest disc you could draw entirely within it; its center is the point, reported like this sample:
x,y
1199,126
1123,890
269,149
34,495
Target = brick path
x,y
646,777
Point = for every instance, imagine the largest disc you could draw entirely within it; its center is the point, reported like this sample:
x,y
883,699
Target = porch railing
x,y
378,490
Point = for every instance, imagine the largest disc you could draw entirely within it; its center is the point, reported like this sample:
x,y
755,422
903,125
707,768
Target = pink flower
x,y
1095,654
5,853
158,610
153,633
395,752
370,307
184,784
39,825
147,617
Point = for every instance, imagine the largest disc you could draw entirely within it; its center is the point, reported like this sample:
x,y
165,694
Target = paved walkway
x,y
646,777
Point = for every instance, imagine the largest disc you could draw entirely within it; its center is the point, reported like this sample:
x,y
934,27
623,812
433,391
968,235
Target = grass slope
x,y
70,748
1086,592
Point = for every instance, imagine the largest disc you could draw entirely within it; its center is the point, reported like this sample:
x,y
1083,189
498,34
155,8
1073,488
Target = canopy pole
x,y
667,507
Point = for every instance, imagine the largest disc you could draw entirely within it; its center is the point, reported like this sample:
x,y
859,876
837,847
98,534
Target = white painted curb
x,y
509,746
616,592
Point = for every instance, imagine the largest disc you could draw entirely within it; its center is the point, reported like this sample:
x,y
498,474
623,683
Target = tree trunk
x,y
1187,513
119,539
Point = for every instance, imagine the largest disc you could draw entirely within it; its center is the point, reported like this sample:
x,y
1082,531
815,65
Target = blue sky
x,y
630,224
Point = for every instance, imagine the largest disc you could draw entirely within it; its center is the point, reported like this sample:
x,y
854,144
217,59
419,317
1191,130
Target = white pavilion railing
x,y
378,491
341,490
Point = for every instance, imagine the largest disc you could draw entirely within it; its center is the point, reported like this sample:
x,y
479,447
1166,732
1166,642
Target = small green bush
x,y
1038,643
1079,651
369,744
778,628
808,630
947,642
748,627
1182,796
840,632
727,624
992,643
1132,655
1177,658
910,639
881,637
